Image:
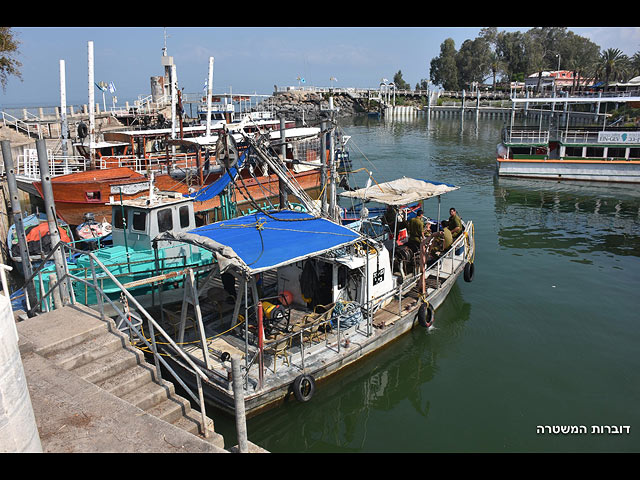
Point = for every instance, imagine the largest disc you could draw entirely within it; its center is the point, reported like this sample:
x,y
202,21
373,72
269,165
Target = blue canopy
x,y
215,188
258,242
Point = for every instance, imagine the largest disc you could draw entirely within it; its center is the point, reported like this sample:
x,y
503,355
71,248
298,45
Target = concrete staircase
x,y
96,351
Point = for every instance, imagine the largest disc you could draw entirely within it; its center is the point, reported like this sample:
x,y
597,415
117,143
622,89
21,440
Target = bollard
x,y
238,397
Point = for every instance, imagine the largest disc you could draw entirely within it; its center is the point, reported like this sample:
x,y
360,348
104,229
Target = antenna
x,y
164,49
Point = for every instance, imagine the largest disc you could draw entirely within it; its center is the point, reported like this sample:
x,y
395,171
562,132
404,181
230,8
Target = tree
x,y
635,64
443,67
399,82
473,61
579,55
613,65
8,48
510,49
496,66
545,44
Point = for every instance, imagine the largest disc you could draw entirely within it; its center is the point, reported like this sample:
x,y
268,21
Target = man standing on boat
x,y
416,231
454,224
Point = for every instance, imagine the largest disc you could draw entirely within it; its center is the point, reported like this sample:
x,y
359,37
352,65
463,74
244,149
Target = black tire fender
x,y
304,386
468,272
426,315
83,130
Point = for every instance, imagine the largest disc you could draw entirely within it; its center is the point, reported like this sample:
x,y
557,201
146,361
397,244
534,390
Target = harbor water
x,y
538,354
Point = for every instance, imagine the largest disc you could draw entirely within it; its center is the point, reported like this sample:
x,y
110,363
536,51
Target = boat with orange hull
x,y
78,193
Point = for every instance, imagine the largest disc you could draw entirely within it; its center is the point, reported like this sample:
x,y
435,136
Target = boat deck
x,y
292,344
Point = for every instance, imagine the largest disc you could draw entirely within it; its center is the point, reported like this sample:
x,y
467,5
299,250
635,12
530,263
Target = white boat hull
x,y
589,170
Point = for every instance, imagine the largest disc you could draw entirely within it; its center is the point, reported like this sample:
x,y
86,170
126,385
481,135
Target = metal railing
x,y
28,166
9,120
124,317
525,135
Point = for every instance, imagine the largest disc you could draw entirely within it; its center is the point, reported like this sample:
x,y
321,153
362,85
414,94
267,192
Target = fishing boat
x,y
299,297
76,194
36,229
184,165
133,257
94,234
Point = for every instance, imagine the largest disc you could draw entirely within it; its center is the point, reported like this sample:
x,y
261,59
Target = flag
x,y
112,88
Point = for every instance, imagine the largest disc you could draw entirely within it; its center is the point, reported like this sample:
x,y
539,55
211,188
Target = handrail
x,y
18,124
153,324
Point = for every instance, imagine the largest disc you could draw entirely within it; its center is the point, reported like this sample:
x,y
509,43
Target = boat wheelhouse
x,y
133,257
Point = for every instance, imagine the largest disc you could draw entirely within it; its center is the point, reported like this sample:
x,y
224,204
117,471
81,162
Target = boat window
x,y
165,220
139,221
616,152
634,153
595,152
184,216
93,196
117,219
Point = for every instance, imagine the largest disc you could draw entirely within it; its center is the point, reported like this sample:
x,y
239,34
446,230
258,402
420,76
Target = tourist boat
x,y
298,297
36,229
611,154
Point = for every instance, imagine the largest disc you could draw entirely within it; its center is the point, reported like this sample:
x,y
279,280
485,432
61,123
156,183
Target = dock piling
x,y
238,397
47,194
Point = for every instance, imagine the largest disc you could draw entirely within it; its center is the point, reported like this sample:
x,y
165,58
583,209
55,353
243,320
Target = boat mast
x,y
333,214
92,115
209,93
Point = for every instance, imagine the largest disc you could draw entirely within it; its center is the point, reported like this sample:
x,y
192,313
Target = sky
x,y
246,59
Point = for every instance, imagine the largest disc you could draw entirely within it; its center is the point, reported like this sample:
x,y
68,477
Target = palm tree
x,y
613,65
496,65
635,64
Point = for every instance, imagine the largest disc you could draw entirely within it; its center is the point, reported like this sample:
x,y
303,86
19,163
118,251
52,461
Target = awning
x,y
401,191
258,242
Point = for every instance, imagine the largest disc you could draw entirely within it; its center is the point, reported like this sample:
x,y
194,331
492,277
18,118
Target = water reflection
x,y
568,218
343,415
452,149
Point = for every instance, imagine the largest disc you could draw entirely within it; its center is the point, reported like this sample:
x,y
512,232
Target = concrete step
x,y
149,394
97,352
127,380
190,422
105,367
87,351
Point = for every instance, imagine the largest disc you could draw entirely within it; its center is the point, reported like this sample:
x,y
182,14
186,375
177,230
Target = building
x,y
559,79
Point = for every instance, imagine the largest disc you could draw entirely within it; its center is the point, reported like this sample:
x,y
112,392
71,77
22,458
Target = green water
x,y
547,334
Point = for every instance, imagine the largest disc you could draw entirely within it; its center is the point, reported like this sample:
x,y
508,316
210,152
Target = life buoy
x,y
304,386
426,315
468,272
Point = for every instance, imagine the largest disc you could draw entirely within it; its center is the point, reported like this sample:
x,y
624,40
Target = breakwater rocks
x,y
312,105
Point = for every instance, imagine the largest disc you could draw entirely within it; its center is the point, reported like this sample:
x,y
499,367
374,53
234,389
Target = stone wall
x,y
298,105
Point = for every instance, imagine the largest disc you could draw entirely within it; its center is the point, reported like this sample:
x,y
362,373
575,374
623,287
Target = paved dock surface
x,y
76,416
